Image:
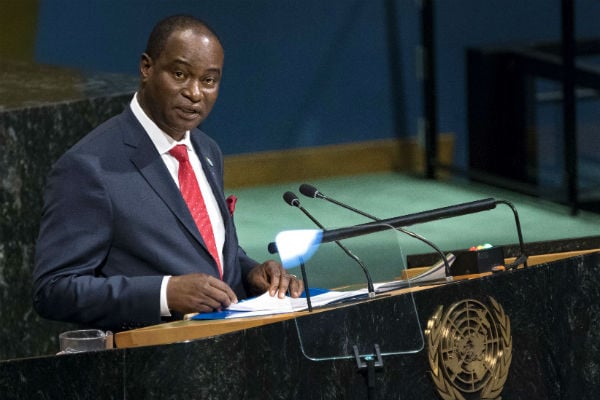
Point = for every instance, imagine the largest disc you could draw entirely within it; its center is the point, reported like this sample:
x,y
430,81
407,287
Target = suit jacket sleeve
x,y
75,239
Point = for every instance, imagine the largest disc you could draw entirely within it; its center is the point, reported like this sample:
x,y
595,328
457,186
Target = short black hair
x,y
165,27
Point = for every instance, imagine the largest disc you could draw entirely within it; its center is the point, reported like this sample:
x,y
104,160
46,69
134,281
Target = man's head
x,y
180,74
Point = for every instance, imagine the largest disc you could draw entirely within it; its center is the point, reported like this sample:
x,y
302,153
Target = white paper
x,y
273,304
436,272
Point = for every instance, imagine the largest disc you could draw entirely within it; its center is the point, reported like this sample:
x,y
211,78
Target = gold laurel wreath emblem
x,y
439,327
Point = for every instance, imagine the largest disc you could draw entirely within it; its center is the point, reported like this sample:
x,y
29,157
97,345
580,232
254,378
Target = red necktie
x,y
188,184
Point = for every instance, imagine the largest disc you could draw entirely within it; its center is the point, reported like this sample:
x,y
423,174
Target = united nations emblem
x,y
470,350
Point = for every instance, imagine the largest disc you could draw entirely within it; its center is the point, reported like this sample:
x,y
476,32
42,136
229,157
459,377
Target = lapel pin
x,y
209,161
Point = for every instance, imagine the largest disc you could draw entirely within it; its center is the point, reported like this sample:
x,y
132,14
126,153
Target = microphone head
x,y
309,190
272,247
291,199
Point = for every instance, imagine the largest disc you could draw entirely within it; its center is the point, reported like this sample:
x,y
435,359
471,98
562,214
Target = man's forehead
x,y
200,34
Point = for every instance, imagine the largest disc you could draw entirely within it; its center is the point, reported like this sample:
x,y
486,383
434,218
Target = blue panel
x,y
296,73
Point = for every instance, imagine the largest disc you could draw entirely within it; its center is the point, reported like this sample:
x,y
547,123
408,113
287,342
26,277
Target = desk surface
x,y
181,331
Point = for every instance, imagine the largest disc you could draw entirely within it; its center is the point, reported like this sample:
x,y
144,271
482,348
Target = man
x,y
118,247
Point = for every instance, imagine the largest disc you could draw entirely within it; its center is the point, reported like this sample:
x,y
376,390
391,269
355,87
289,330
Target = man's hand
x,y
196,293
271,276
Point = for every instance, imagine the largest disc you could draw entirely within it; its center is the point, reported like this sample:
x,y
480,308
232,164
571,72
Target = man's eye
x,y
178,74
210,81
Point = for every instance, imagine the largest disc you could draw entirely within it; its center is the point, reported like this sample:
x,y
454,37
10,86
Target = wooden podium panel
x,y
180,331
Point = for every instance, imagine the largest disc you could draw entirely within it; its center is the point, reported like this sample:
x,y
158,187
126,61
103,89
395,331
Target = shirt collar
x,y
160,139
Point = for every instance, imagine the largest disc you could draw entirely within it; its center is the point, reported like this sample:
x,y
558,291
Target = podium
x,y
548,312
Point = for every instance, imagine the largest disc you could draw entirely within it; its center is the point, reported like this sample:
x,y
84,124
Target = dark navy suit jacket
x,y
114,223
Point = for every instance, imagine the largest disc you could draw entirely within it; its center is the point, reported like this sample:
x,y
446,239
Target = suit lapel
x,y
210,169
151,166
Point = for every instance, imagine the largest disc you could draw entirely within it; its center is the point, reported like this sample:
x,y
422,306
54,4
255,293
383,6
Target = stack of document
x,y
266,304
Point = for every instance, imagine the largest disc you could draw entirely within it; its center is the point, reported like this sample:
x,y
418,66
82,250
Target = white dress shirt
x,y
164,143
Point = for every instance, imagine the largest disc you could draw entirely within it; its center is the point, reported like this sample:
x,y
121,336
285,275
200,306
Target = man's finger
x,y
296,286
289,282
220,294
275,285
284,283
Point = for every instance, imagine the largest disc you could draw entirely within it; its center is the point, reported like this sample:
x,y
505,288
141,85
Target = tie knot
x,y
179,152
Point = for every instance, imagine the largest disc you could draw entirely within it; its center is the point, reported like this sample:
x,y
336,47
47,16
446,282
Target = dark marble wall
x,y
43,111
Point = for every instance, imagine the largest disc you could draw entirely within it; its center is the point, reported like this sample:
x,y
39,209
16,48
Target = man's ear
x,y
146,64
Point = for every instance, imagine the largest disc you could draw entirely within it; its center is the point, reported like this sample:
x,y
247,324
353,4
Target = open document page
x,y
266,304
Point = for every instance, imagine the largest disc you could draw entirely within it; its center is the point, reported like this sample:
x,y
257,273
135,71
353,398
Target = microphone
x,y
291,199
410,219
311,191
427,216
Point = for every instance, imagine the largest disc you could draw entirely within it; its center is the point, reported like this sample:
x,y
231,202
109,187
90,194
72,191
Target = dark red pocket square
x,y
231,200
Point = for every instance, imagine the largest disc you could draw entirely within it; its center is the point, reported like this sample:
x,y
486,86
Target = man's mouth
x,y
190,113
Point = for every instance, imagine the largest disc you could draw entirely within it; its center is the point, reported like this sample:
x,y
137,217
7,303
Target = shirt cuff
x,y
164,306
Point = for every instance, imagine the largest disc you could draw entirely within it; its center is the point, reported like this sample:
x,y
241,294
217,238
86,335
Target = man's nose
x,y
193,91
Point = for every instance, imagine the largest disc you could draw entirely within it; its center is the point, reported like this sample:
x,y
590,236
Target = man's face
x,y
179,88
